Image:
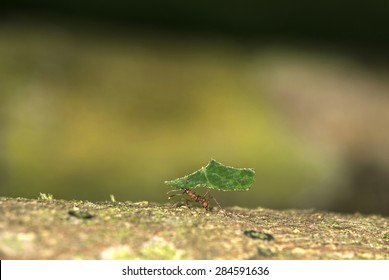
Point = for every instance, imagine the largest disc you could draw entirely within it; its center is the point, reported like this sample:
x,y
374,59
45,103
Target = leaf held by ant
x,y
216,176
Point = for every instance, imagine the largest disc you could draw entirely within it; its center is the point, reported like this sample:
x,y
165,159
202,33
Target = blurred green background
x,y
115,97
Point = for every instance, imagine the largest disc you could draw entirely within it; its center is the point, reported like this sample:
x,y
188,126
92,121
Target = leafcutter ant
x,y
193,197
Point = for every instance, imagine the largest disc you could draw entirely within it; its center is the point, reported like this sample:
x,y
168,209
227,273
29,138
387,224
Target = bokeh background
x,y
115,97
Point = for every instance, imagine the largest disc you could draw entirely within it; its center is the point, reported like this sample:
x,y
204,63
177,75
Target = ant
x,y
197,198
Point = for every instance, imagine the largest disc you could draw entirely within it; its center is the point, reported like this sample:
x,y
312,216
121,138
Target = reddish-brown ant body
x,y
204,202
198,198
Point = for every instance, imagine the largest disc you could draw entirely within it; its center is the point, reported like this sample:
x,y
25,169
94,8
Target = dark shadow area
x,y
332,21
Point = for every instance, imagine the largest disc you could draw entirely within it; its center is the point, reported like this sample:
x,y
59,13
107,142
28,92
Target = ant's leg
x,y
172,194
208,194
183,202
179,201
220,208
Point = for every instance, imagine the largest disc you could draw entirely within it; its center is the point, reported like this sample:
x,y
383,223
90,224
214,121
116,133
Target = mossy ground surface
x,y
44,229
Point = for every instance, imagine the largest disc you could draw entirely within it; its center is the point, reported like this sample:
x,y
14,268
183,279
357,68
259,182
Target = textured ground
x,y
58,229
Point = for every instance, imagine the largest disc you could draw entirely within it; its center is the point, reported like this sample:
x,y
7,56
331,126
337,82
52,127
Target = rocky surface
x,y
58,229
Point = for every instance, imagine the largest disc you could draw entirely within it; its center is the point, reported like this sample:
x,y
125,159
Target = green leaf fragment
x,y
258,235
216,176
84,215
